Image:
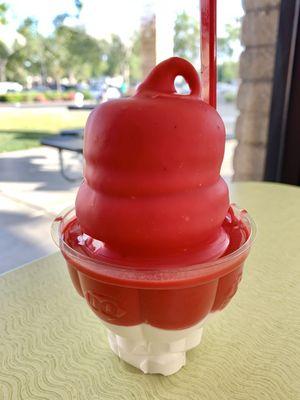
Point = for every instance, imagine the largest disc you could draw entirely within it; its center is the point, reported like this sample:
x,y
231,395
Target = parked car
x,y
97,88
111,93
105,89
6,87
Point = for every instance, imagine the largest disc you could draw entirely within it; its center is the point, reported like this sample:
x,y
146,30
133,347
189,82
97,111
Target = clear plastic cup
x,y
154,315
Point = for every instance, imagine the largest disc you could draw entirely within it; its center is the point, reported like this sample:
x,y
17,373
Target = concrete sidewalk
x,y
33,192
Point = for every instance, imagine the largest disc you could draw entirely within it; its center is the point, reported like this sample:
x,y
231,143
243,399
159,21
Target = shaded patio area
x,y
32,193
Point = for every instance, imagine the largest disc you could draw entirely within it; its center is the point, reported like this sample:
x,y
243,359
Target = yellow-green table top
x,y
53,347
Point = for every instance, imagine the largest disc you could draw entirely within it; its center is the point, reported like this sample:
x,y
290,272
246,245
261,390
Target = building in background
x,y
259,35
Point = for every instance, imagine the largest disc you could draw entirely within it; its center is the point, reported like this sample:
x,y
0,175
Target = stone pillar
x,y
148,44
157,33
259,34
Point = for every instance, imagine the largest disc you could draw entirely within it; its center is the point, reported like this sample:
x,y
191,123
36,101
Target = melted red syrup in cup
x,y
168,296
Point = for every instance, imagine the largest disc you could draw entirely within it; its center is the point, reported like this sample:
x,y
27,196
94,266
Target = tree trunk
x,y
43,73
3,63
58,85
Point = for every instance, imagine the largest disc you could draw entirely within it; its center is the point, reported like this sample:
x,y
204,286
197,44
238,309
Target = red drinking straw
x,y
208,51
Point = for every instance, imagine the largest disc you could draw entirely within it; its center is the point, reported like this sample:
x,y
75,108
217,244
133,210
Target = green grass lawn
x,y
23,128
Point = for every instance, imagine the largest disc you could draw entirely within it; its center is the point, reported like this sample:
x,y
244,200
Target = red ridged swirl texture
x,y
152,184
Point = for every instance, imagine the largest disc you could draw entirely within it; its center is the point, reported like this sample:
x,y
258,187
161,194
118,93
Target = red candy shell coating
x,y
152,169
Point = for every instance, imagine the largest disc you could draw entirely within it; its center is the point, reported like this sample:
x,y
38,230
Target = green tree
x,y
10,44
29,58
134,60
225,45
227,68
186,37
60,18
68,52
72,53
78,5
3,10
117,56
228,71
4,51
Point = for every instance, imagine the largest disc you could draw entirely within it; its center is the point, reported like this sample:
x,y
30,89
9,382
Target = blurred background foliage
x,y
69,52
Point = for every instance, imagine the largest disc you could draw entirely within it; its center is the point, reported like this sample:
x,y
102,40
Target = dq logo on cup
x,y
104,306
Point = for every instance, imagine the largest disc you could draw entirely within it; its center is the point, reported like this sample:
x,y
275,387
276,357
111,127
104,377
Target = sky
x,y
103,17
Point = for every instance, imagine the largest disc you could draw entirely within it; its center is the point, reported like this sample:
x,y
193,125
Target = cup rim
x,y
109,268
